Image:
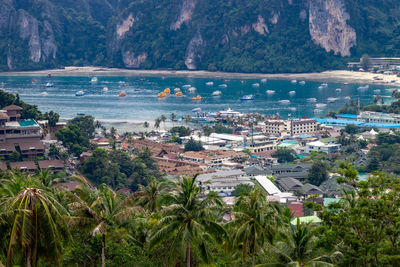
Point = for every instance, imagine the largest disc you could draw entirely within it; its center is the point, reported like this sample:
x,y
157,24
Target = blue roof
x,y
350,116
338,122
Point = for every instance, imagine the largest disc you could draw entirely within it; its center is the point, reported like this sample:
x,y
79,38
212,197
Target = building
x,y
223,181
28,166
293,127
380,62
290,185
214,159
280,169
53,165
267,185
260,143
176,167
378,117
318,146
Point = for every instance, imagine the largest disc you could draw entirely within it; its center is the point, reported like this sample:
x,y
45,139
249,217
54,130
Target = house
x,y
260,143
256,170
176,167
296,208
3,166
13,112
28,166
214,159
290,184
53,165
309,189
223,181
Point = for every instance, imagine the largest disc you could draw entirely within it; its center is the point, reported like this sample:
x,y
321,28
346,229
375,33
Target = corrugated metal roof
x,y
268,185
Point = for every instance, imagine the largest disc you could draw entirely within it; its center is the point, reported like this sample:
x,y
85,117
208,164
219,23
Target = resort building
x,y
279,127
20,135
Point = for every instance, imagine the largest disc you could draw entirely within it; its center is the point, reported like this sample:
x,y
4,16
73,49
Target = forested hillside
x,y
230,35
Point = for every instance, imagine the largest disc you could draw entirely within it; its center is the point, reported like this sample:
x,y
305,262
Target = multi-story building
x,y
214,159
260,143
294,127
21,135
223,181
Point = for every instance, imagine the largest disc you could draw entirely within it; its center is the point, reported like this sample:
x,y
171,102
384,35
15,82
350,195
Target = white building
x,y
223,181
378,117
318,146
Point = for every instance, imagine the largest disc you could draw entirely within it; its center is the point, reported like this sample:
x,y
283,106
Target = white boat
x,y
186,86
312,99
292,93
293,81
105,89
192,89
177,89
321,87
264,80
302,82
363,88
229,113
247,98
324,84
332,99
270,92
317,110
377,91
345,83
217,93
94,80
80,93
223,85
338,90
284,102
44,93
49,84
209,83
292,108
347,97
196,110
255,85
320,105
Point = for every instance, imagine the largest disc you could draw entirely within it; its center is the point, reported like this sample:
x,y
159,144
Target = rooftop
x,y
12,107
22,123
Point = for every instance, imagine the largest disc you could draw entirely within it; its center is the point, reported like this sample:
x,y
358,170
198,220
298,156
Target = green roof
x,y
329,200
306,219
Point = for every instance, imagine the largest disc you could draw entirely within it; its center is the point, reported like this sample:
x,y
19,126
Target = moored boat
x,y
179,93
284,101
80,93
161,95
247,98
311,99
49,84
292,93
192,89
167,90
122,94
302,82
293,81
264,80
105,89
255,85
94,80
196,98
223,85
209,83
217,93
270,92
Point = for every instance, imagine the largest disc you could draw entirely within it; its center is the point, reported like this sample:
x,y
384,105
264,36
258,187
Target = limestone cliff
x,y
329,28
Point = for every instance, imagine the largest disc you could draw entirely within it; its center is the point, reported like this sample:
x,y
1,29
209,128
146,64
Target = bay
x,y
141,102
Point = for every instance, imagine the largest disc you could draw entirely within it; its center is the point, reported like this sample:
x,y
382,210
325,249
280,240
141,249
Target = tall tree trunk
x,y
103,251
188,254
29,256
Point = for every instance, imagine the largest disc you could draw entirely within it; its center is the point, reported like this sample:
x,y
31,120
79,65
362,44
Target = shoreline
x,y
340,76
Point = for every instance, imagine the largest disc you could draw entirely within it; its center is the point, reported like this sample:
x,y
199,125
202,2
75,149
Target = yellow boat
x,y
177,89
122,94
167,91
179,94
198,97
161,95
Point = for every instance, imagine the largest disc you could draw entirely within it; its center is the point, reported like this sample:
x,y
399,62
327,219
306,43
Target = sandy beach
x,y
326,76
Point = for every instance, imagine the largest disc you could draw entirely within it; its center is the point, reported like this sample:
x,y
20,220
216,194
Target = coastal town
x,y
290,159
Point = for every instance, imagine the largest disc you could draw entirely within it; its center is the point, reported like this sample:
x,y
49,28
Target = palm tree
x,y
157,123
298,247
255,223
37,219
188,222
100,210
150,196
113,133
163,119
173,118
146,124
188,119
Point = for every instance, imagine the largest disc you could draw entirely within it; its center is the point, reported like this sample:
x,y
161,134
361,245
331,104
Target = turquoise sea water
x,y
141,102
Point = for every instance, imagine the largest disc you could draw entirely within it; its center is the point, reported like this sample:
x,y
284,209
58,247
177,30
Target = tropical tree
x,y
37,226
157,123
150,196
188,221
101,211
255,223
188,119
146,124
298,247
163,118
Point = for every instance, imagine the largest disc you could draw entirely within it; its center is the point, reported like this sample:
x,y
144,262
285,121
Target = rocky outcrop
x,y
260,26
125,26
185,14
194,51
328,26
131,60
28,30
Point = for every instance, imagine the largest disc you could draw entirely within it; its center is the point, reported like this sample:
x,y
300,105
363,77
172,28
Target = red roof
x,y
13,107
